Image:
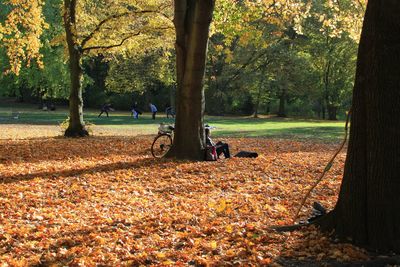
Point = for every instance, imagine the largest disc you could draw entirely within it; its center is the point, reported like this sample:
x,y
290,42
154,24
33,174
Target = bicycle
x,y
163,141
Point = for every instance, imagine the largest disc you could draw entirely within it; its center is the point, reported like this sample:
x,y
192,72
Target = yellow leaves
x,y
58,40
161,255
280,208
213,245
221,206
21,32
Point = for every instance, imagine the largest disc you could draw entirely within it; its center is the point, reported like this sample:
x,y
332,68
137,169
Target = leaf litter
x,y
105,200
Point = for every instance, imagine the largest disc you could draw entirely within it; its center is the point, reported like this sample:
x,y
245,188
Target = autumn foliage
x,y
104,200
21,32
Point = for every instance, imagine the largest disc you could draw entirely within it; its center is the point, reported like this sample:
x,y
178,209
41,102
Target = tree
x,y
77,46
248,38
333,30
90,27
137,73
33,82
21,32
192,21
368,204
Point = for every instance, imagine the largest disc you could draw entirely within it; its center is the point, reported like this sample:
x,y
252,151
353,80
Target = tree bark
x,y
76,127
332,112
367,211
282,100
192,20
257,104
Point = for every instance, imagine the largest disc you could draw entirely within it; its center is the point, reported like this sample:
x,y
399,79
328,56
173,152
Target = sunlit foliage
x,y
21,31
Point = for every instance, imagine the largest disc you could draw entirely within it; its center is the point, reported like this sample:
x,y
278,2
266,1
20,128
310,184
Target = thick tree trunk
x,y
367,211
192,20
76,127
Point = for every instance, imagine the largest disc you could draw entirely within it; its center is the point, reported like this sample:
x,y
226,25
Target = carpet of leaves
x,y
105,201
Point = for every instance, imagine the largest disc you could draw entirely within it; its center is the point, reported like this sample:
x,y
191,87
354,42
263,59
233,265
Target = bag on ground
x,y
211,153
246,154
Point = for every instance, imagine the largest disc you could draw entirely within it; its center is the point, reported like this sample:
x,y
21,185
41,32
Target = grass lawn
x,y
121,123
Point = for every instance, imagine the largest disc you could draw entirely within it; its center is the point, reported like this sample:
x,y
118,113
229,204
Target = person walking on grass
x,y
105,108
153,110
135,111
169,111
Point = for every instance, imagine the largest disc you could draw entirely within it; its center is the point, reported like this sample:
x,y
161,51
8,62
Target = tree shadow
x,y
250,120
322,134
374,261
56,118
60,148
5,179
324,249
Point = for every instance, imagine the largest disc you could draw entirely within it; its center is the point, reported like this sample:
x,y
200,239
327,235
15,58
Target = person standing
x,y
153,110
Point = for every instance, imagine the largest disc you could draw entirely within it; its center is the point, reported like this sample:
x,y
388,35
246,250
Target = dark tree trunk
x,y
257,104
367,211
76,127
282,101
192,20
172,93
329,106
332,112
268,107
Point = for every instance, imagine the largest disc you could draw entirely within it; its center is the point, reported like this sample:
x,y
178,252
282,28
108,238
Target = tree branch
x,y
98,27
111,46
115,16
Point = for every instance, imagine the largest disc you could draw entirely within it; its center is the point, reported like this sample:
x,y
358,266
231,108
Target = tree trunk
x,y
329,106
172,93
257,104
282,100
268,107
192,20
332,112
76,127
367,211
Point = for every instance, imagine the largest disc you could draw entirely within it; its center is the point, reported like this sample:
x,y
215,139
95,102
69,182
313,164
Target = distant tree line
x,y
289,60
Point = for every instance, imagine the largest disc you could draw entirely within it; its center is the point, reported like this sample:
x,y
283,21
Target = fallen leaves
x,y
104,200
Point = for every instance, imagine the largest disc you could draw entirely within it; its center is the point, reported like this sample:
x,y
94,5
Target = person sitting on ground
x,y
220,147
105,108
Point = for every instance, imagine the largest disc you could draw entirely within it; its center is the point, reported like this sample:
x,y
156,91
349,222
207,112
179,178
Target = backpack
x,y
211,153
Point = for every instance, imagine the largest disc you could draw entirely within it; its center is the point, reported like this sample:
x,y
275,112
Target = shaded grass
x,y
121,123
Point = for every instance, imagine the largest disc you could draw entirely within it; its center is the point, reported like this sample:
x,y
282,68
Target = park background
x,y
276,72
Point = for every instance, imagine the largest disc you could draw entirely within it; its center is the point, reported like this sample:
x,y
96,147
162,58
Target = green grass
x,y
226,126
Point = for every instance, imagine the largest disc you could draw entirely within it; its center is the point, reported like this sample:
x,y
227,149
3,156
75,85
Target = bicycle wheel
x,y
161,144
